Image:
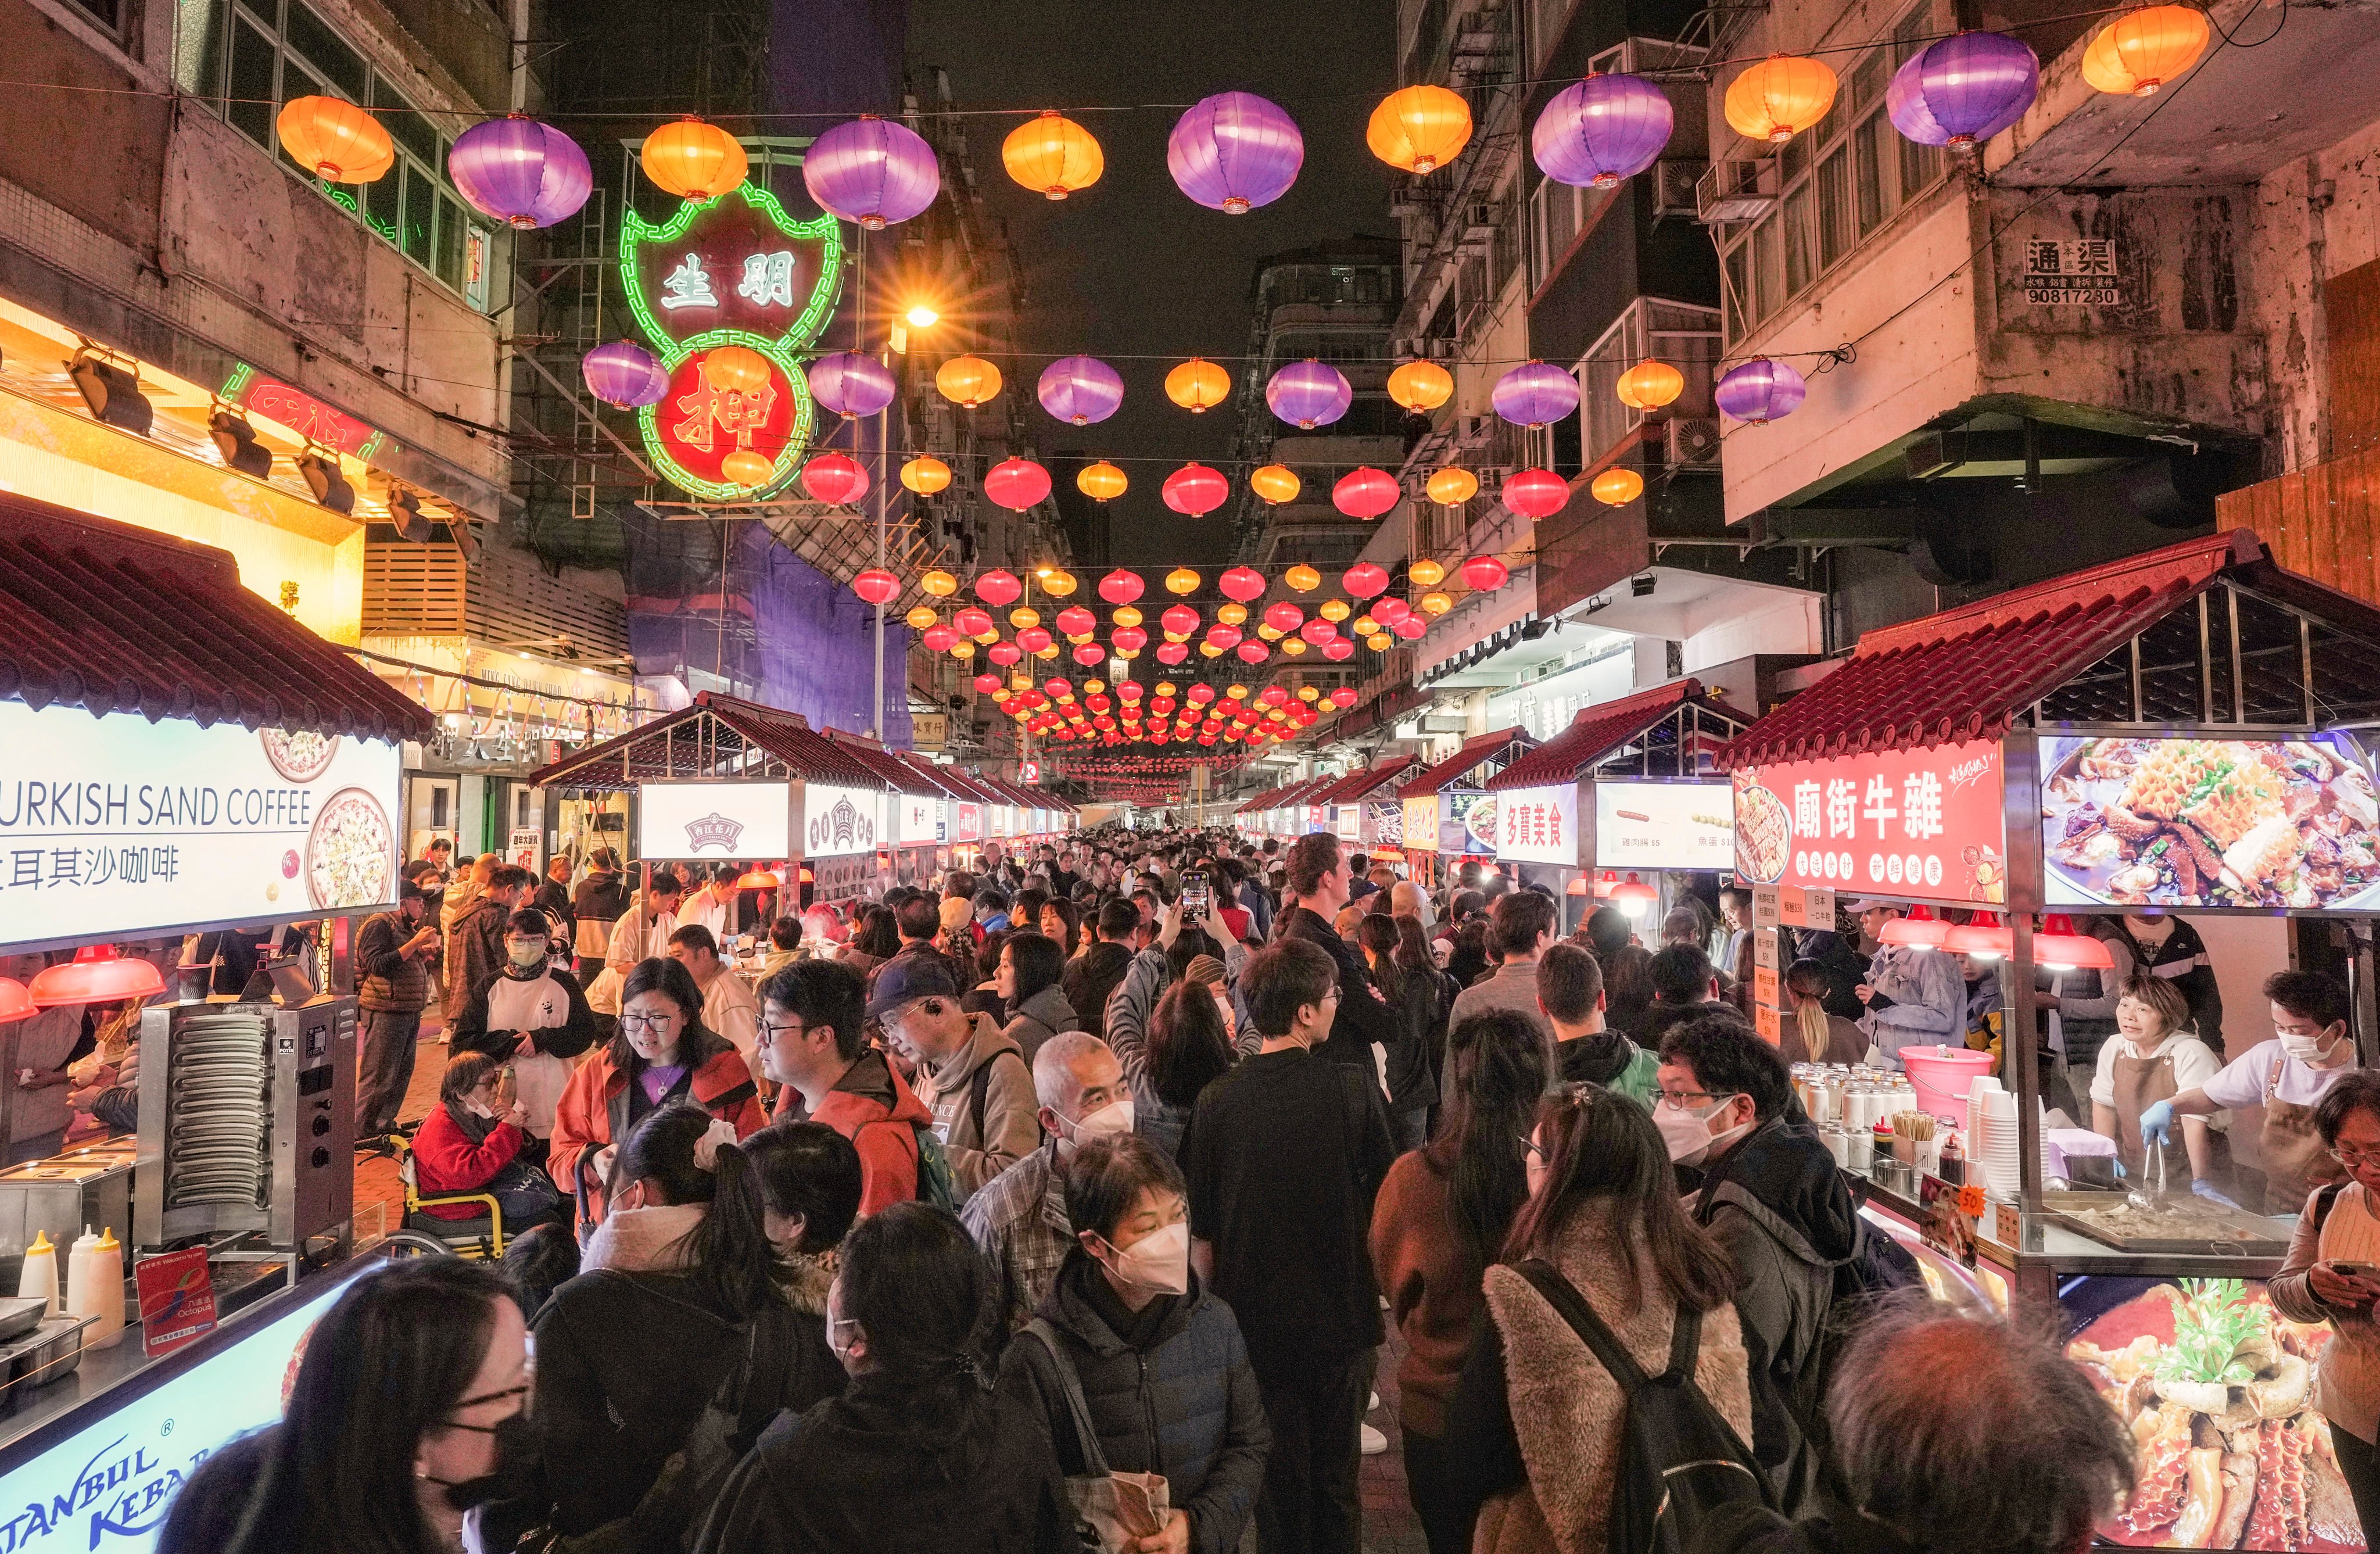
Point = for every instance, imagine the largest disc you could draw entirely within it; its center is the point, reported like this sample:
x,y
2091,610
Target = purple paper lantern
x,y
520,172
625,375
1602,129
871,170
1310,394
1761,391
1535,394
851,384
1963,89
1080,388
1235,152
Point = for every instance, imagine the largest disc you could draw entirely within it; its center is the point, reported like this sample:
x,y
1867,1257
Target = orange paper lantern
x,y
1101,481
1779,97
335,141
693,160
1419,130
1649,385
1052,155
1617,486
1276,483
2143,49
967,381
926,475
1197,385
1421,385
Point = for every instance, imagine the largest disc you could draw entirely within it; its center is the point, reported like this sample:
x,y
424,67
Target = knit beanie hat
x,y
1205,969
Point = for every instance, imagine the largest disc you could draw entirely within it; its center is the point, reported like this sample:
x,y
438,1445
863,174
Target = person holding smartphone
x,y
2332,1275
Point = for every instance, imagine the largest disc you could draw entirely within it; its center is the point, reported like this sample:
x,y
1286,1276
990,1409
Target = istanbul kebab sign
x,y
732,270
1909,825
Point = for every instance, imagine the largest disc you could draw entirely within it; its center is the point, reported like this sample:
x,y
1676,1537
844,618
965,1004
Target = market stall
x,y
1362,809
2176,730
911,848
202,783
1438,802
1626,790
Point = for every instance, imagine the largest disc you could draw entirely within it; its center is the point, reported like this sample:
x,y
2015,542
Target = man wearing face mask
x,y
532,1015
1771,1195
1159,1359
1019,1217
2287,1076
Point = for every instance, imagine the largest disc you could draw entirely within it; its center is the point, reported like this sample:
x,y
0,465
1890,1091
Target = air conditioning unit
x,y
1479,223
1674,181
1732,191
1690,440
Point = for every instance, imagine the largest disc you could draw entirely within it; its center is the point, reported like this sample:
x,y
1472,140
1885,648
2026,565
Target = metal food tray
x,y
2266,1237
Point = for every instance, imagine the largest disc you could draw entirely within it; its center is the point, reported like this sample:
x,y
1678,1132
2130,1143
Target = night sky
x,y
1130,267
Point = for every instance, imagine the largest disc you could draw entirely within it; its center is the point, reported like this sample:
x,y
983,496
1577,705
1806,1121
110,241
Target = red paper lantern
x,y
1171,652
1056,685
1004,653
1366,493
1016,483
1033,638
1254,652
1413,628
1536,494
1074,621
1196,491
1224,637
877,586
1284,617
1485,573
1389,612
987,682
1337,650
1090,653
1180,620
998,589
836,480
1201,695
1129,639
1343,698
1241,584
938,639
1130,690
971,621
1318,631
1119,587
1364,580
1273,696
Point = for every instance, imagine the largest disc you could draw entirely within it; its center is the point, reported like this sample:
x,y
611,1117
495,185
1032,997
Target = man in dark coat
x,y
1318,889
1090,976
475,945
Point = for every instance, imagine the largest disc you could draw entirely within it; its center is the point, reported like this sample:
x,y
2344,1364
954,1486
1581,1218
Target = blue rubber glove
x,y
2117,1167
2156,1124
2207,1191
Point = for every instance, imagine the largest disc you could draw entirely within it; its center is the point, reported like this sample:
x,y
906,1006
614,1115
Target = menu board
x,y
2249,823
1910,825
1663,825
118,826
721,821
2213,1385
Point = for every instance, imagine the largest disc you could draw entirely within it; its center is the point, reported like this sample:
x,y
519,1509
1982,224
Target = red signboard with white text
x,y
1912,825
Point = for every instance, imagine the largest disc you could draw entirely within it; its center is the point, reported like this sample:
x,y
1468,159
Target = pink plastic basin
x,y
1940,1076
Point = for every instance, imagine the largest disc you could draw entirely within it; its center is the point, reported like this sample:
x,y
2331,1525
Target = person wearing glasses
x,y
664,1053
440,1347
2332,1275
972,1077
814,1045
1772,1197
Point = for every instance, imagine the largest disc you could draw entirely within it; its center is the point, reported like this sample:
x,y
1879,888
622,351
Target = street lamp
x,y
922,317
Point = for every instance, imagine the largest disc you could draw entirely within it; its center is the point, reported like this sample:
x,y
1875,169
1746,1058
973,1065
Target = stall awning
x,y
112,618
1262,801
1357,786
1475,750
889,766
1600,732
968,785
2208,632
718,736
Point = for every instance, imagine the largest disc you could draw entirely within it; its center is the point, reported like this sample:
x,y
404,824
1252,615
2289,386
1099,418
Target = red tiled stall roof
x,y
932,779
1599,731
1963,674
887,765
710,739
112,618
968,785
1475,750
1358,785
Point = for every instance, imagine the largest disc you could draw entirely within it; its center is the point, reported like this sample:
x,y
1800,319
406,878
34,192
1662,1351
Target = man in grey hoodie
x,y
972,1077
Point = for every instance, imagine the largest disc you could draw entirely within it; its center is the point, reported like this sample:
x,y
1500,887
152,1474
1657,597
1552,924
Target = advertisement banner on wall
x,y
918,819
2244,823
1421,824
1538,825
838,822
1466,823
1663,825
1384,824
718,821
1912,825
525,848
121,828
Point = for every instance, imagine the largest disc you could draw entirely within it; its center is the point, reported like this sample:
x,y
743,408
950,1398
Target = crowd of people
x,y
1070,1205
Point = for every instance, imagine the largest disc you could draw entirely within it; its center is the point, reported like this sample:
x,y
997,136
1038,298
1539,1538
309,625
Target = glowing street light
x,y
923,316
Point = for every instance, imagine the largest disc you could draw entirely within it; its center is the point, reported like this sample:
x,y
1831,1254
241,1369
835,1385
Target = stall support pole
x,y
2020,835
883,466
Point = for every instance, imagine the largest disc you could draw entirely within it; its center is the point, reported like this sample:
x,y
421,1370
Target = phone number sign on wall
x,y
1915,825
118,826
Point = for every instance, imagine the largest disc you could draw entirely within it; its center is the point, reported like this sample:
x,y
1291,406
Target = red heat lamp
x,y
1604,886
1577,886
1983,937
2058,948
1634,896
16,1004
759,879
1919,931
96,975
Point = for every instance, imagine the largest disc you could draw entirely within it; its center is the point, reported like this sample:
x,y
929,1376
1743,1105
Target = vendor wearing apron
x,y
2287,1076
2152,1058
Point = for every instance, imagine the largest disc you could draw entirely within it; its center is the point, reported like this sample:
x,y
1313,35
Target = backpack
x,y
937,1183
1680,1459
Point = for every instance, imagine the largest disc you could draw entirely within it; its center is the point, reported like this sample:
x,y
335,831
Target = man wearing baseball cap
x,y
1913,997
972,1077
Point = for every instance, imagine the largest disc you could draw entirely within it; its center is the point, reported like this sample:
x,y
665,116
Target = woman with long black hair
x,y
1409,983
440,1349
1440,1218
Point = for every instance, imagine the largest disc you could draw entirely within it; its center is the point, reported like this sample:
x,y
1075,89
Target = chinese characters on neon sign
x,y
1922,825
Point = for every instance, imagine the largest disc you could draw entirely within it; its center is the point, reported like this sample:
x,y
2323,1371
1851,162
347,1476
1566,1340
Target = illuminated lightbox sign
x,y
1538,825
1909,825
1421,824
838,822
969,824
1664,825
918,819
721,822
119,827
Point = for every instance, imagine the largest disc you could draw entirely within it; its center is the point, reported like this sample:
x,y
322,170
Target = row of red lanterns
x,y
1243,585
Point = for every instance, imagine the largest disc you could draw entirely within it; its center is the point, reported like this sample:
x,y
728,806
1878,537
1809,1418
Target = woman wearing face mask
x,y
1534,1435
664,1053
533,1016
676,1293
810,1195
471,1143
440,1348
917,1456
1158,1359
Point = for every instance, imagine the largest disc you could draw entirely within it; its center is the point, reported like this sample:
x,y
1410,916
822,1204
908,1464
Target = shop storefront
x,y
1361,808
206,783
2179,731
1440,806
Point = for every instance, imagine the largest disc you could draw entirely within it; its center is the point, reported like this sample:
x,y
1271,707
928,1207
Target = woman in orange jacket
x,y
663,1052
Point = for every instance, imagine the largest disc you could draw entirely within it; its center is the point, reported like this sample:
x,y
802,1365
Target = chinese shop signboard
x,y
719,821
840,823
970,820
1538,825
920,820
1914,825
1421,824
